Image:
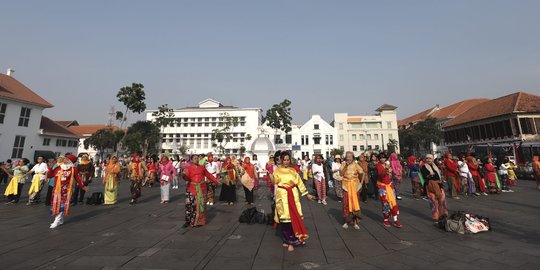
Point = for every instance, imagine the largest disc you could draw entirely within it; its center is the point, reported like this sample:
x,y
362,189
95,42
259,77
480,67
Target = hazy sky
x,y
325,56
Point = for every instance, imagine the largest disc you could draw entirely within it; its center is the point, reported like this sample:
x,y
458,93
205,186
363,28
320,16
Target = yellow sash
x,y
12,186
390,196
352,194
36,184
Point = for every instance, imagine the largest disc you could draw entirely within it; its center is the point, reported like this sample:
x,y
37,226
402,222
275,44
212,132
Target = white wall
x,y
252,120
10,128
361,134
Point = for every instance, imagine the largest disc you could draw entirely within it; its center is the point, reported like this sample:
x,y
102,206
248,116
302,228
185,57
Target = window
x,y
354,148
25,117
317,140
369,147
340,125
331,139
389,124
340,138
302,139
46,141
376,147
361,137
369,136
326,139
362,148
354,137
288,139
376,136
316,126
2,112
307,140
18,147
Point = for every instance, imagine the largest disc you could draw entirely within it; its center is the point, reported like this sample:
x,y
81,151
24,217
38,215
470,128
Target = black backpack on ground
x,y
95,199
252,216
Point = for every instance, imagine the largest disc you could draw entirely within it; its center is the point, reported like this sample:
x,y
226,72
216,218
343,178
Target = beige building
x,y
367,133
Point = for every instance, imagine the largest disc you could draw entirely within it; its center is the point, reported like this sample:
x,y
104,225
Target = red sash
x,y
297,222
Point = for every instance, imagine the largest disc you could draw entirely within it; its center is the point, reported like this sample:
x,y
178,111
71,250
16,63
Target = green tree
x,y
164,116
221,136
103,140
143,137
336,151
420,136
392,145
133,98
279,117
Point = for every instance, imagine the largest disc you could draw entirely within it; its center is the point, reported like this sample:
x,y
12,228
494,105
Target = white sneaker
x,y
356,226
54,224
319,201
484,193
345,226
510,190
211,203
324,202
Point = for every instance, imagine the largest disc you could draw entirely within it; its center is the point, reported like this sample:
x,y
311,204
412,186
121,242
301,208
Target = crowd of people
x,y
352,179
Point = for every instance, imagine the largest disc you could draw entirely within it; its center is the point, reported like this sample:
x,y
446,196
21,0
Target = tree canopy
x,y
279,116
142,137
420,135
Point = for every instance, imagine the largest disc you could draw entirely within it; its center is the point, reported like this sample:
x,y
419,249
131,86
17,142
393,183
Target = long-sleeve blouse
x,y
166,170
195,175
287,178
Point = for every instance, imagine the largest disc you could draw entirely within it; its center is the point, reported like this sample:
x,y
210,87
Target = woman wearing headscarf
x,y
65,176
397,171
111,181
338,179
136,169
151,176
213,168
353,176
248,179
490,174
14,189
86,172
167,173
387,194
434,189
228,187
288,214
474,168
452,175
414,175
196,176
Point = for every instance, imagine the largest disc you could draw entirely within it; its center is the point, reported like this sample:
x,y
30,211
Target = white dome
x,y
262,145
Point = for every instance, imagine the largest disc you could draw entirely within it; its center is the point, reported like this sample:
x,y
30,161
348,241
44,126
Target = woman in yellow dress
x,y
351,173
111,181
288,212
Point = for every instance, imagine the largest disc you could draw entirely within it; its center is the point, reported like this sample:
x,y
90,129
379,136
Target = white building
x,y
194,127
367,133
85,131
24,131
316,136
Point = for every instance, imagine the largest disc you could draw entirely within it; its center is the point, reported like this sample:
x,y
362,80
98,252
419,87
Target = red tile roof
x,y
68,123
451,111
12,89
52,128
513,103
85,130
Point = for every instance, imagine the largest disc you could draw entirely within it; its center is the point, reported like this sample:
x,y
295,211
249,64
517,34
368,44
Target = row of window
x,y
208,119
361,137
198,135
368,125
18,145
186,141
329,139
363,147
214,124
24,117
495,130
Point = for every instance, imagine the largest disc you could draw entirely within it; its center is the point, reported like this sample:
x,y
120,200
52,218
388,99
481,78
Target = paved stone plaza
x,y
149,236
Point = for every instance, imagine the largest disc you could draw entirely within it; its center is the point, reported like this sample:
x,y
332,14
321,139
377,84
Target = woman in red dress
x,y
195,189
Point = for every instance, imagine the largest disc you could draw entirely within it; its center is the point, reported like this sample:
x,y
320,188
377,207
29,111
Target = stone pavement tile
x,y
159,263
400,258
107,251
100,261
458,265
514,258
220,263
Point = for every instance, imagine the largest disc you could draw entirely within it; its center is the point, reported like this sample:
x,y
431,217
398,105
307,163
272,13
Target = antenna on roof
x,y
111,116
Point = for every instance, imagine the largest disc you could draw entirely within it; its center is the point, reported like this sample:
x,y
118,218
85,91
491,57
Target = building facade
x,y
24,131
85,131
194,128
367,133
315,136
508,125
